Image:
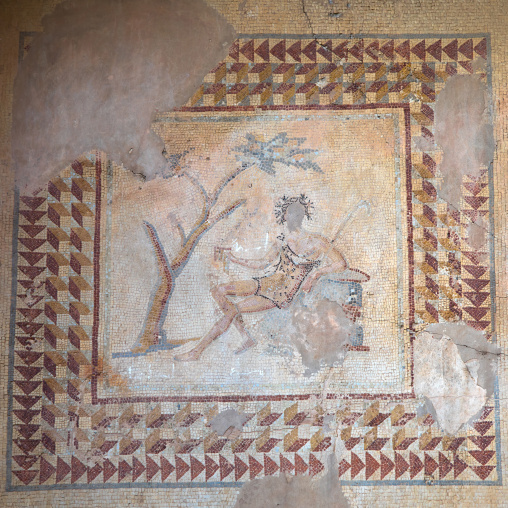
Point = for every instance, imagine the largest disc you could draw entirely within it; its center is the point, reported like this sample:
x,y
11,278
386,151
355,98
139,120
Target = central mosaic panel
x,y
227,219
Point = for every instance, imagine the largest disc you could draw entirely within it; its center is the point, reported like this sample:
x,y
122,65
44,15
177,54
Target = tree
x,y
254,153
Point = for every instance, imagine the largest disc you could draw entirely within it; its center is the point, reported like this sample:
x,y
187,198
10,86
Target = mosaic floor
x,y
117,284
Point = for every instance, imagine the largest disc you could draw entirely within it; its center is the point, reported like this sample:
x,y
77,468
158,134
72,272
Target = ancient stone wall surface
x,y
253,253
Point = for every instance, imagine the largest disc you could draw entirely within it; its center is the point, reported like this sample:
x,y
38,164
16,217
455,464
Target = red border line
x,y
96,276
239,398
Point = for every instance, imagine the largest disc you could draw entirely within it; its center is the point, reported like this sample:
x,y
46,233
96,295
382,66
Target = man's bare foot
x,y
191,356
250,342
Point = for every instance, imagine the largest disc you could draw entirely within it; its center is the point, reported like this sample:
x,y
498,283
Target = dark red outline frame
x,y
237,398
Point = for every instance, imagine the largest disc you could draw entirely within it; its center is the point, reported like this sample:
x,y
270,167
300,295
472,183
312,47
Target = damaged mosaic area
x,y
278,302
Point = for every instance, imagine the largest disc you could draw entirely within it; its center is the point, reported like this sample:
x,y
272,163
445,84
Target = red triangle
x,y
285,465
415,464
481,48
371,465
30,315
474,187
387,49
341,50
234,50
401,466
386,465
137,468
315,466
28,386
31,230
357,50
475,298
196,467
482,456
467,49
445,466
32,271
109,470
474,257
32,202
32,243
404,50
325,50
27,431
458,467
32,258
435,50
28,372
181,466
26,476
475,201
356,465
29,328
166,468
271,466
25,461
451,50
25,416
33,303
27,446
279,50
255,467
29,357
482,471
300,465
476,312
32,216
263,50
476,284
343,467
430,465
295,51
225,467
482,441
210,466
419,50
372,50
247,50
62,469
46,470
124,468
240,468
25,401
78,469
152,468
310,51
475,271
93,473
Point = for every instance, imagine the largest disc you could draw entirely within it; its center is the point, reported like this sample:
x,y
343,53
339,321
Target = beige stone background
x,y
302,17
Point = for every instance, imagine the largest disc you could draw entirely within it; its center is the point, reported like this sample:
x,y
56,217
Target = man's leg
x,y
220,294
249,305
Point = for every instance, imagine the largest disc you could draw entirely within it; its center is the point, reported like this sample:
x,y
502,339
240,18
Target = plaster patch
x,y
322,334
98,73
288,491
479,355
464,131
441,375
227,419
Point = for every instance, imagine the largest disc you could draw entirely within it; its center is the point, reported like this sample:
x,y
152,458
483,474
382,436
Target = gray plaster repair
x,y
97,75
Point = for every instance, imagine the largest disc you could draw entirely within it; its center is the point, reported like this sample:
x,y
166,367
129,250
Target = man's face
x,y
294,215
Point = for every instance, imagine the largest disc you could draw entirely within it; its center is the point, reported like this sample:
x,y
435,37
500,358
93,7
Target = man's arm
x,y
256,264
334,262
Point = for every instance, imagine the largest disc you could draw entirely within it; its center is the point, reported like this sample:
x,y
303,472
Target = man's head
x,y
293,210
